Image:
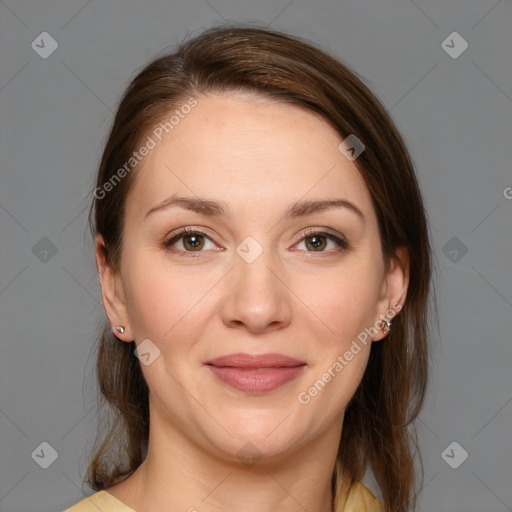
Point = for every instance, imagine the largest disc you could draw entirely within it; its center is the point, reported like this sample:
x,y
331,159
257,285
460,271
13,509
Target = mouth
x,y
256,374
248,361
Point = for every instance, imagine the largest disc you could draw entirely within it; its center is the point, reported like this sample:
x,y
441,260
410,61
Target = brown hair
x,y
239,58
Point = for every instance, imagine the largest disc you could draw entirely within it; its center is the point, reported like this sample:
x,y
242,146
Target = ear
x,y
112,292
394,290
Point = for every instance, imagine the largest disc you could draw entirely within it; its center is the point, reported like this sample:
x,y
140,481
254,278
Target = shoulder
x,y
361,499
100,501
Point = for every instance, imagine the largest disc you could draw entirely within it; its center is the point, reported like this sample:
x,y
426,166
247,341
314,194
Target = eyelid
x,y
189,230
321,231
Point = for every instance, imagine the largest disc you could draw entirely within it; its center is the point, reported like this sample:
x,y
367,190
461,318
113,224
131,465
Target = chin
x,y
268,438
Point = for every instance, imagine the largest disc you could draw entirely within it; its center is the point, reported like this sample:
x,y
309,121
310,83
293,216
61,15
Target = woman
x,y
264,261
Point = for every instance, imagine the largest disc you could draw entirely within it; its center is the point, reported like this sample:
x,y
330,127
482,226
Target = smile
x,y
256,373
256,380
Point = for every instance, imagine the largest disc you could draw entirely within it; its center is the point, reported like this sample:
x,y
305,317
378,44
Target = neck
x,y
180,475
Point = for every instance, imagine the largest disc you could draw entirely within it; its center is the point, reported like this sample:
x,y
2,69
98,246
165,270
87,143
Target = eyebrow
x,y
219,209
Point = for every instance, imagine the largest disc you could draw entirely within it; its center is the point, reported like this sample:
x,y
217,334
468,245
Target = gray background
x,y
455,114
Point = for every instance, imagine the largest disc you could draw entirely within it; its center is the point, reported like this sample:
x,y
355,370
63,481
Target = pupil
x,y
193,241
316,242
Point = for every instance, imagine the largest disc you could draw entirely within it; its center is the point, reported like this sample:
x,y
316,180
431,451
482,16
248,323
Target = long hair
x,y
377,430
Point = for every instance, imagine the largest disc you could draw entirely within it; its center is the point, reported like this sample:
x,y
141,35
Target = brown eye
x,y
191,241
317,241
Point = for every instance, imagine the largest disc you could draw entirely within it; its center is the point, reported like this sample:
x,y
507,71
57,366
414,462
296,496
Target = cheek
x,y
344,298
151,296
163,302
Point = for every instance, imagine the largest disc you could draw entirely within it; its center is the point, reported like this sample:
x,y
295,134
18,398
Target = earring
x,y
387,326
120,329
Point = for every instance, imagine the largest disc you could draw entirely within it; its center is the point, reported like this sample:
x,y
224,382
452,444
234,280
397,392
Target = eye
x,y
317,241
195,240
191,240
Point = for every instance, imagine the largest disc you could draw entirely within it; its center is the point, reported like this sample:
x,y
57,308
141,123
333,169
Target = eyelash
x,y
167,244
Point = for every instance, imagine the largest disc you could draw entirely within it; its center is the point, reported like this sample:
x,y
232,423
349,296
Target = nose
x,y
257,299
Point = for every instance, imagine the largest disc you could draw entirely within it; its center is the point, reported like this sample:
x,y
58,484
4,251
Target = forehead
x,y
250,152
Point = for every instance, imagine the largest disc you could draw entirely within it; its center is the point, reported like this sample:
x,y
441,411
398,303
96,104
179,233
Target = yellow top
x,y
360,499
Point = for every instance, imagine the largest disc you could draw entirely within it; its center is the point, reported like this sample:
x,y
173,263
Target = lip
x,y
249,361
256,373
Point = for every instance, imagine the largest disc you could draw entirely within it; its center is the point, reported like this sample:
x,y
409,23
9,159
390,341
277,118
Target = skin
x,y
305,301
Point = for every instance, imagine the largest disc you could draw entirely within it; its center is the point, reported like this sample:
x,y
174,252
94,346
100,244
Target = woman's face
x,y
253,281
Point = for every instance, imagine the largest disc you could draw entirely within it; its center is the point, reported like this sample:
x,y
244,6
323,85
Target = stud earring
x,y
120,329
387,326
